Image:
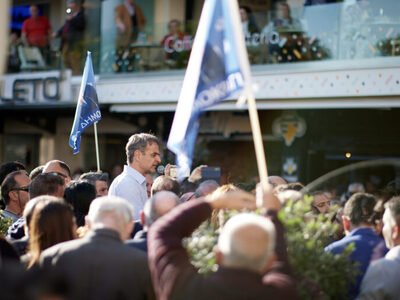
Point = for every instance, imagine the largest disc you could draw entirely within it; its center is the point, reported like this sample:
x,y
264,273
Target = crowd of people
x,y
81,240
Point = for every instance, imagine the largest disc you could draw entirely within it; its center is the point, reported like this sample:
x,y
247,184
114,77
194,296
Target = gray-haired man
x,y
143,156
99,265
381,279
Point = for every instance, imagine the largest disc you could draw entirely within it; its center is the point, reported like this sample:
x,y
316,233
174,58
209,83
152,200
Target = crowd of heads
x,y
49,208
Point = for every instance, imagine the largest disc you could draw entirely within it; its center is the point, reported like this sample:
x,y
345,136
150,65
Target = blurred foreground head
x,y
52,222
111,212
158,205
247,241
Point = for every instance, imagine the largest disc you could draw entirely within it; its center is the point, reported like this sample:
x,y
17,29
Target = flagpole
x,y
258,142
97,147
253,114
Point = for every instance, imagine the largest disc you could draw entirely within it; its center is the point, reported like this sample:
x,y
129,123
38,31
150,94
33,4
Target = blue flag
x,y
87,109
218,67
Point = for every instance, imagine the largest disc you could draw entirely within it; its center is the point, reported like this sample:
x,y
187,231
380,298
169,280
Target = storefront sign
x,y
289,126
36,87
290,169
173,44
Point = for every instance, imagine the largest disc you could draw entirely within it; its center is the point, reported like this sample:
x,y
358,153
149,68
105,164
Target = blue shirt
x,y
130,185
5,214
365,241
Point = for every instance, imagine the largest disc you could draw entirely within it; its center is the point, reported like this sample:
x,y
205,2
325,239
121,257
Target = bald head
x,y
247,242
206,187
158,205
59,168
276,180
111,212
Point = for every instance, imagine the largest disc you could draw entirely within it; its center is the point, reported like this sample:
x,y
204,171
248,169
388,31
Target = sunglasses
x,y
57,174
22,188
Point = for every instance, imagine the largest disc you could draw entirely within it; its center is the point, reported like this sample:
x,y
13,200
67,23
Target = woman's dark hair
x,y
80,194
52,222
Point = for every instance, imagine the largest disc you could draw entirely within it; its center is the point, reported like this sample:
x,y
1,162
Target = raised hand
x,y
266,198
196,173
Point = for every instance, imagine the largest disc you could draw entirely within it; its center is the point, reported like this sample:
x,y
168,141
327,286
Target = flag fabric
x,y
217,68
87,109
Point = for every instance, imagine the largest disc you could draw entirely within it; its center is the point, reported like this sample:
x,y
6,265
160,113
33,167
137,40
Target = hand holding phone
x,y
211,173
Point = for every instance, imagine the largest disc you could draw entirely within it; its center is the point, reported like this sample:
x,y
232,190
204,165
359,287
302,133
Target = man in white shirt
x,y
382,278
143,156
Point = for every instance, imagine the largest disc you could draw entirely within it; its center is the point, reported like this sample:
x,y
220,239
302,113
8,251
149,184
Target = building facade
x,y
326,80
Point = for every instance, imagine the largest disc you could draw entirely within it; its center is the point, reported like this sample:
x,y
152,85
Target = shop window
x,y
21,147
275,32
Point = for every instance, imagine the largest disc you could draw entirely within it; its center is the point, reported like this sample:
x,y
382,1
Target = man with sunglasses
x,y
59,168
14,191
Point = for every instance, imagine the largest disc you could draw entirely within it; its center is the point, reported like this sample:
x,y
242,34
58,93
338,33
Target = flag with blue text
x,y
217,68
87,109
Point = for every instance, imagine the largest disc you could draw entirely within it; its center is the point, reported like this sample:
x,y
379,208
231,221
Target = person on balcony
x,y
71,37
130,21
36,31
177,45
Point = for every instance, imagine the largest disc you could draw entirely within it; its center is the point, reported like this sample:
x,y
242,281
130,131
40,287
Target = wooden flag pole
x,y
97,147
245,67
258,142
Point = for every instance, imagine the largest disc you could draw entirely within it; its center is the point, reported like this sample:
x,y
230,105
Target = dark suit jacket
x,y
175,278
136,228
139,241
100,266
74,33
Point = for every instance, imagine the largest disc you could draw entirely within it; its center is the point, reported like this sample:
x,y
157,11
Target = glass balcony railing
x,y
336,31
340,31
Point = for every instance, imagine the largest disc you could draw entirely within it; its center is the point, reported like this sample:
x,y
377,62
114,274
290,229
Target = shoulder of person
x,y
125,182
336,247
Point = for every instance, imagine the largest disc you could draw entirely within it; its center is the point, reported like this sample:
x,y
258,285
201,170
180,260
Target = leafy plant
x,y
200,247
4,224
319,275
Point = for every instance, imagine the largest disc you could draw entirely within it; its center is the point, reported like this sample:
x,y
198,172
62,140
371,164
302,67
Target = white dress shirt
x,y
130,185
